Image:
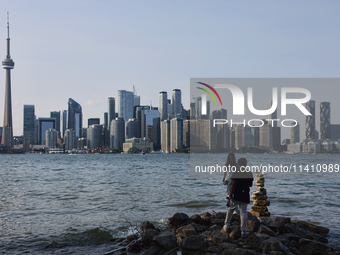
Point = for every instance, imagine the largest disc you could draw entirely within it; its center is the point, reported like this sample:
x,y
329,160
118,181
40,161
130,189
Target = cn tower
x,y
8,64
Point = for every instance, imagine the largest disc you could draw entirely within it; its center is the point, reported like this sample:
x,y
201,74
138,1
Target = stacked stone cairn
x,y
259,197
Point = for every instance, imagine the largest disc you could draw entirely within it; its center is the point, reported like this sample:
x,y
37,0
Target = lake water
x,y
75,204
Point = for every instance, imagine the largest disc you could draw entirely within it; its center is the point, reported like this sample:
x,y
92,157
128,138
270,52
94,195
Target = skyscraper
x,y
295,133
176,103
51,138
310,120
94,136
325,120
117,137
165,135
8,64
44,124
125,104
156,133
176,134
56,115
131,129
75,117
93,121
29,123
272,116
64,123
163,105
111,114
70,139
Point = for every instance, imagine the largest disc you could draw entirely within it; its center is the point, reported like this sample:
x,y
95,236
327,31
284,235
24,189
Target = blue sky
x,y
88,50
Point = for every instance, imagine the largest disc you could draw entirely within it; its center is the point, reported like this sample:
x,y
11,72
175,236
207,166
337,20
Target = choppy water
x,y
75,204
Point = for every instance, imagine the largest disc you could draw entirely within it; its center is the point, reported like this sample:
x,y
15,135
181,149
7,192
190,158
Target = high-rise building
x,y
272,116
136,99
106,130
56,115
51,138
93,121
310,120
125,104
325,120
94,136
176,103
75,117
8,64
131,129
111,110
117,137
163,105
70,139
64,124
149,132
29,123
186,133
165,135
176,134
44,124
335,131
156,133
276,138
266,135
169,109
295,133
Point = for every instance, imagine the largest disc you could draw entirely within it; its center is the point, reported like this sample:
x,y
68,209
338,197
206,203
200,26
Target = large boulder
x,y
187,230
253,225
255,241
166,239
179,219
134,246
146,225
235,233
196,218
192,243
239,251
217,237
148,236
311,247
265,230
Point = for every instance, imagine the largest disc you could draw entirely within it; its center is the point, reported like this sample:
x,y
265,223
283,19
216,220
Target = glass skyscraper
x,y
125,104
29,123
75,117
56,115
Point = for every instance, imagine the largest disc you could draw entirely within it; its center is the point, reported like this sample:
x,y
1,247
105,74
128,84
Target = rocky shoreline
x,y
203,234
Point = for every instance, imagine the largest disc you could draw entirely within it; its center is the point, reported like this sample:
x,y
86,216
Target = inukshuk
x,y
260,197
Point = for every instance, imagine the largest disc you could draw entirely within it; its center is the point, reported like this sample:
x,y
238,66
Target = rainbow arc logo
x,y
209,93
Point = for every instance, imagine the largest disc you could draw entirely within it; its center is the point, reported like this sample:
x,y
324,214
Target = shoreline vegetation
x,y
203,234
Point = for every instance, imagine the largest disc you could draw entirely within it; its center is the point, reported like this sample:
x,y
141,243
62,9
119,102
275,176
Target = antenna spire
x,y
7,25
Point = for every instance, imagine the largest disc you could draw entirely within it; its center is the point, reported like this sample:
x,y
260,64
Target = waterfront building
x,y
75,117
94,136
125,104
176,103
8,64
131,129
70,139
149,132
335,131
111,110
325,120
266,135
137,144
176,134
81,143
56,115
44,124
106,130
310,120
272,116
29,123
165,135
202,136
93,121
64,123
276,138
51,138
186,134
156,133
117,137
295,133
163,105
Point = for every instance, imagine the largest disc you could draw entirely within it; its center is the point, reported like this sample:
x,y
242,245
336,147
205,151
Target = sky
x,y
88,50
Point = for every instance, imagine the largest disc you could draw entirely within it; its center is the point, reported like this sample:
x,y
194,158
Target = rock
x,y
260,208
275,253
215,227
148,236
255,241
132,237
212,213
206,215
146,225
217,221
217,237
227,245
263,197
261,203
291,237
316,237
193,243
294,251
134,246
253,225
220,215
278,246
152,251
185,231
265,230
179,219
282,220
235,233
166,239
266,245
277,227
215,249
259,214
292,228
316,228
312,247
197,219
239,251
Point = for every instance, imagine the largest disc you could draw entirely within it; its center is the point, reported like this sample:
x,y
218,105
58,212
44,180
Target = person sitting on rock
x,y
230,164
242,181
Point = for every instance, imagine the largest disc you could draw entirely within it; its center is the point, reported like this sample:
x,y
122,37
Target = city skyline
x,y
156,47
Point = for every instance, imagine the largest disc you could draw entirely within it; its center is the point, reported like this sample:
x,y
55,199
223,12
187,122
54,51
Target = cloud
x,y
96,100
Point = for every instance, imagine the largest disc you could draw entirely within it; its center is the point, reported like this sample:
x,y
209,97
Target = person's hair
x,y
242,162
231,159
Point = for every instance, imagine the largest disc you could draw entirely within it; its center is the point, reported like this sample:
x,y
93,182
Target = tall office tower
x,y
117,137
186,133
93,121
335,131
192,110
94,136
266,135
0,134
136,99
64,120
131,129
56,115
276,138
75,117
163,105
176,103
198,108
44,124
29,123
156,133
295,133
149,132
105,120
165,135
169,109
70,139
219,114
176,134
125,104
111,110
8,64
325,120
272,116
51,138
106,130
310,120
